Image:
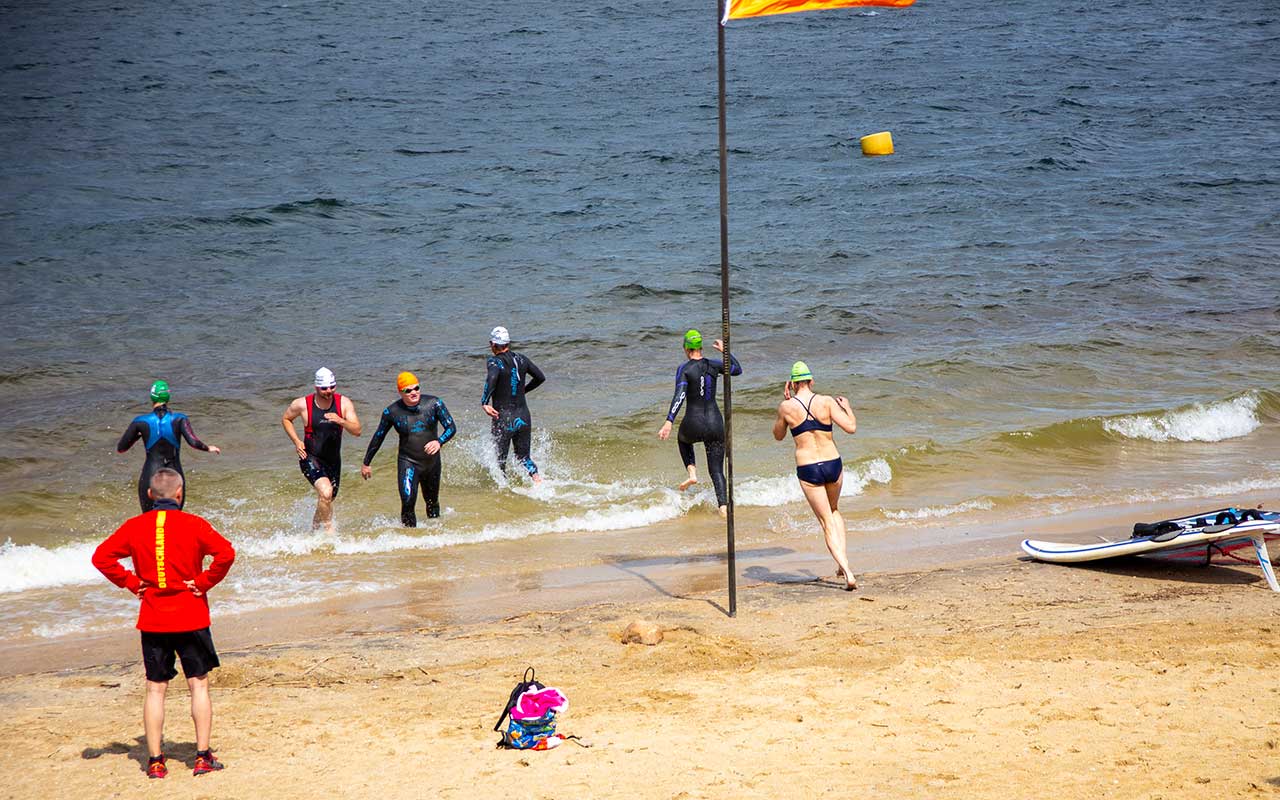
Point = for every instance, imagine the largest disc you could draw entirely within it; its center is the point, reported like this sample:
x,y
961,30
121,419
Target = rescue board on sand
x,y
1222,530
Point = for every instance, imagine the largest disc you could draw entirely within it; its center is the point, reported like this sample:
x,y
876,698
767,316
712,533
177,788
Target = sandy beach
x,y
980,677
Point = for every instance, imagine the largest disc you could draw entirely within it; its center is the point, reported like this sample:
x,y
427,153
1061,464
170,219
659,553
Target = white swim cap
x,y
499,336
325,379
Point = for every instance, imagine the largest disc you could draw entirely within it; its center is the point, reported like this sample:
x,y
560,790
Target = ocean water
x,y
1059,292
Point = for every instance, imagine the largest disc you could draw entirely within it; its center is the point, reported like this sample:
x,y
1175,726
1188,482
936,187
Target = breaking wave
x,y
934,512
1200,422
30,566
778,490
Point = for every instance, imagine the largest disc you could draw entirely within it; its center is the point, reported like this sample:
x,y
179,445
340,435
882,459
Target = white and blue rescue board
x,y
1200,537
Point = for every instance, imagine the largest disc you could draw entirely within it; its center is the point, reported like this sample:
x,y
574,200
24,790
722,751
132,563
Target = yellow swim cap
x,y
406,379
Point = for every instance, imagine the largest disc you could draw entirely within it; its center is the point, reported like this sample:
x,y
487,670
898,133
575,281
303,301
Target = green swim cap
x,y
159,392
800,372
692,340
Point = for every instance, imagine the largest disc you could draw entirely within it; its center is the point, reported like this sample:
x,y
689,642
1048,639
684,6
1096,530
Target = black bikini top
x,y
810,422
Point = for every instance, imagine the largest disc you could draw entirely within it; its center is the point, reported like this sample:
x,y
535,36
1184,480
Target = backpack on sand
x,y
521,687
531,713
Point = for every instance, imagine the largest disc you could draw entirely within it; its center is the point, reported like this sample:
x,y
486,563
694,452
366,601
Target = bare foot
x,y
687,483
724,511
537,478
851,583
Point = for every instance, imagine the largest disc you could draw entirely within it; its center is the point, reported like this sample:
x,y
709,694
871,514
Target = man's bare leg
x,y
153,717
201,709
324,505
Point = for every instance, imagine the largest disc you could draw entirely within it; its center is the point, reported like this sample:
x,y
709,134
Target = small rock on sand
x,y
642,632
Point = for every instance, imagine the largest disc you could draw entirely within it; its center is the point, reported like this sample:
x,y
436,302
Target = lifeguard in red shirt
x,y
168,547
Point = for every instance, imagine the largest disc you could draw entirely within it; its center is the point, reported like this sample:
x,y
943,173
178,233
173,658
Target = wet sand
x,y
974,676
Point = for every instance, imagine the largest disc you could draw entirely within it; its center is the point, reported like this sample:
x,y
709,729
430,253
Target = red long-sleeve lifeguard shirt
x,y
168,547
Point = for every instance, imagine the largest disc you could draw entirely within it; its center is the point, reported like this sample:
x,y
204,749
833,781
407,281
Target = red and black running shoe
x,y
156,768
205,763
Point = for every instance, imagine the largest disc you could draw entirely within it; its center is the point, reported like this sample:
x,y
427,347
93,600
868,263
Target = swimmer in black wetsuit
x,y
415,417
326,415
503,399
162,432
696,384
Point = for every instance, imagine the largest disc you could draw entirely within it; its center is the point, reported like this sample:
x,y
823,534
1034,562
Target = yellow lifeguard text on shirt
x,y
160,581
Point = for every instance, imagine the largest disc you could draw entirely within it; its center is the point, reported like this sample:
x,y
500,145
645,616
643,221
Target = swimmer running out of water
x,y
418,419
811,417
162,432
326,415
509,377
696,385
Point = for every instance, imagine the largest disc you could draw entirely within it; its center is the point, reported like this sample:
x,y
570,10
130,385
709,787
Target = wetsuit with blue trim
x,y
819,473
417,425
505,386
696,385
162,432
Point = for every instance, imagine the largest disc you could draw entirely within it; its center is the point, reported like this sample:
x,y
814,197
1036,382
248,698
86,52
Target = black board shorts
x,y
195,648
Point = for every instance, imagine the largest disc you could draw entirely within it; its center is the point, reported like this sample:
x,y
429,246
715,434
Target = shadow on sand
x,y
1212,575
176,752
634,566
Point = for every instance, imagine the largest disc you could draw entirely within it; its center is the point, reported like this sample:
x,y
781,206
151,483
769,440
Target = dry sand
x,y
986,679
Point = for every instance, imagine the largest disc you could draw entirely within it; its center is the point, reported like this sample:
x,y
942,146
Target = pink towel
x,y
535,703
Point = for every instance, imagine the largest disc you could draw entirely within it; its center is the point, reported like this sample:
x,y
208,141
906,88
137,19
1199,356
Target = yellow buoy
x,y
878,144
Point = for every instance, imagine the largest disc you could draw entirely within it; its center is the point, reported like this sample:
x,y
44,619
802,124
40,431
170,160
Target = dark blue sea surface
x,y
1061,285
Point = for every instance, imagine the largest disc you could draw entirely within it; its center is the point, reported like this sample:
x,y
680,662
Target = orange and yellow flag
x,y
738,9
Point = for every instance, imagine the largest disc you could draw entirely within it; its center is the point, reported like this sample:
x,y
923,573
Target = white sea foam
x,y
580,493
251,592
667,505
256,592
480,449
623,506
287,542
53,630
636,515
30,566
1211,422
1227,489
780,489
1240,486
933,512
25,567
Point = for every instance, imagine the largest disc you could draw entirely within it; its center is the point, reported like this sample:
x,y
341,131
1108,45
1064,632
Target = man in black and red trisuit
x,y
326,414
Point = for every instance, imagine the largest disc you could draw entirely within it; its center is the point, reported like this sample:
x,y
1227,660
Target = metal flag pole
x,y
724,315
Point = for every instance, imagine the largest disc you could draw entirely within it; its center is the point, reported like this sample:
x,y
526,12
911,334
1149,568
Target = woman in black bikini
x,y
818,463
